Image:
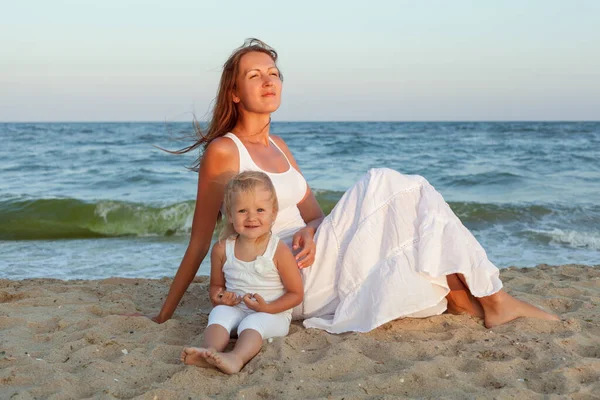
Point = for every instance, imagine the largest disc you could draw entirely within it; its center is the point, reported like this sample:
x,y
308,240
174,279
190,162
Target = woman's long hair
x,y
225,113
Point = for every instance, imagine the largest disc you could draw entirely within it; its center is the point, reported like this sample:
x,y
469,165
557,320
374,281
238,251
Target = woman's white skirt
x,y
384,252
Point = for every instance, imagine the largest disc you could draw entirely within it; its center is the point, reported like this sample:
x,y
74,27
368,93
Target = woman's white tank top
x,y
289,185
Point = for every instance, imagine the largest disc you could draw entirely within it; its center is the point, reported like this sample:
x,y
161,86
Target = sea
x,y
95,200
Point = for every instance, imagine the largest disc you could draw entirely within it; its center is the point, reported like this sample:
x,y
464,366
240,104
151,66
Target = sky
x,y
133,60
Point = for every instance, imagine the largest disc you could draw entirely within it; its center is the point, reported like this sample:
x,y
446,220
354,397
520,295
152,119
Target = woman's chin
x,y
263,110
266,111
270,105
272,109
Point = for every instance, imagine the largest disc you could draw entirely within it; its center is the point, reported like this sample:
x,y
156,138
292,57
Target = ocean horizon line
x,y
310,121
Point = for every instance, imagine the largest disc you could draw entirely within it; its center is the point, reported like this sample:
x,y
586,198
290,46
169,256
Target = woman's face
x,y
258,86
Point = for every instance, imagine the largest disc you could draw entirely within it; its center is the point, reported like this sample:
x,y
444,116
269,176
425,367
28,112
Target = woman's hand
x,y
255,302
155,318
304,240
225,298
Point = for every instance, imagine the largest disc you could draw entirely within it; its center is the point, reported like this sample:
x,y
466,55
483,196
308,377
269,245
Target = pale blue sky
x,y
126,60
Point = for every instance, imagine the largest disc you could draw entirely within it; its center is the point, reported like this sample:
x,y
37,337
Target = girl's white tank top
x,y
259,276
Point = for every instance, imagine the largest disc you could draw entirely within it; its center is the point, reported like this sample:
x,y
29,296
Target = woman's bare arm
x,y
309,207
311,213
219,163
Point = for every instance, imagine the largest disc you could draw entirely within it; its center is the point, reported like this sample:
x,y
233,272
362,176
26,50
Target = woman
x,y
391,248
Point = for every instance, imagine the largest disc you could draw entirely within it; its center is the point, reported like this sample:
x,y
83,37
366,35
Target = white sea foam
x,y
105,207
573,238
134,219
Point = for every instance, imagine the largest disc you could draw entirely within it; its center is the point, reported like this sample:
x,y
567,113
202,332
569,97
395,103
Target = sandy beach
x,y
66,340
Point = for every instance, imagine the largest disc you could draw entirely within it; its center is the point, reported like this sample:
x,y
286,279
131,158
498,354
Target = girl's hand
x,y
222,297
304,239
255,302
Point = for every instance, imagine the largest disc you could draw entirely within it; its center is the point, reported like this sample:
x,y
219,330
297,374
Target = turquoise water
x,y
92,200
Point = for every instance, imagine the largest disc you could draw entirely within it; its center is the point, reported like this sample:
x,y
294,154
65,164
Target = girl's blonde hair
x,y
245,182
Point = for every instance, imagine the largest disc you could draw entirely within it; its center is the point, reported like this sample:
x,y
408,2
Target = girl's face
x,y
258,86
252,213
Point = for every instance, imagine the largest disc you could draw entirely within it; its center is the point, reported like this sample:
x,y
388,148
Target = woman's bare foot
x,y
501,308
456,307
228,363
460,299
195,356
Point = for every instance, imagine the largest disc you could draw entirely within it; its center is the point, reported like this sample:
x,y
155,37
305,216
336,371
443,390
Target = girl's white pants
x,y
268,325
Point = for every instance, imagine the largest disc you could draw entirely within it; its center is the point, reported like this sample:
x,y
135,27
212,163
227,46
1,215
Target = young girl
x,y
254,280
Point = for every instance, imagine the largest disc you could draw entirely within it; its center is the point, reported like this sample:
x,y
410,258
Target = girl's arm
x,y
292,282
217,278
219,163
216,290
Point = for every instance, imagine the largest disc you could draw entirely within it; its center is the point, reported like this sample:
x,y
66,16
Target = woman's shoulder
x,y
279,141
221,146
220,156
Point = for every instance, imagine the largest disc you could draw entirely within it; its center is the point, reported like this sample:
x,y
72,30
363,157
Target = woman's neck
x,y
253,128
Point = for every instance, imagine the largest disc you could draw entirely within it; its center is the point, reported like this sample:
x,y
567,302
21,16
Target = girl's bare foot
x,y
195,356
501,308
228,363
